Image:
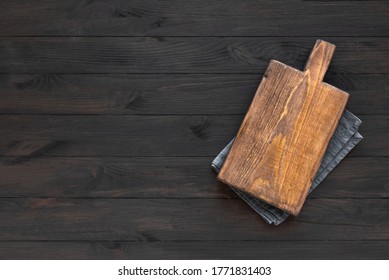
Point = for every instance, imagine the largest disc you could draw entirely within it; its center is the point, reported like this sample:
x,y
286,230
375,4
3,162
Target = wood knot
x,y
159,22
199,127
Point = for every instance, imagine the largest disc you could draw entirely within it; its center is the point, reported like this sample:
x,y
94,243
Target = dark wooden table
x,y
111,112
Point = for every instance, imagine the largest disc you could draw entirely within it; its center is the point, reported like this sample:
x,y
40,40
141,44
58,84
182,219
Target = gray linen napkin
x,y
345,138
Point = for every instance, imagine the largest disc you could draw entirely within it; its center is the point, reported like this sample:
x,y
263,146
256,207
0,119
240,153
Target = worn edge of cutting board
x,y
311,77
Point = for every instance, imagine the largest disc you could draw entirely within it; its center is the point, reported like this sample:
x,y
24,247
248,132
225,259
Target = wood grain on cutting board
x,y
285,133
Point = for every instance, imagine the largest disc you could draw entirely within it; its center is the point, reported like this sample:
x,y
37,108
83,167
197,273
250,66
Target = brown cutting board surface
x,y
285,133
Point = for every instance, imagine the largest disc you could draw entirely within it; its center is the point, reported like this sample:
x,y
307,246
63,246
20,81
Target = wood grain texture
x,y
49,155
200,135
167,94
151,220
285,133
183,55
194,18
316,250
164,177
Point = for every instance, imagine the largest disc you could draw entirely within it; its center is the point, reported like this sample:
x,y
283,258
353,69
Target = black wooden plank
x,y
172,177
183,55
372,127
285,250
90,135
164,93
187,219
194,18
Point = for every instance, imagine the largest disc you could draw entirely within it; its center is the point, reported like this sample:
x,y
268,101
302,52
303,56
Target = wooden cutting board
x,y
285,133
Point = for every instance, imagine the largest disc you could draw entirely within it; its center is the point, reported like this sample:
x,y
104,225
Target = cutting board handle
x,y
319,59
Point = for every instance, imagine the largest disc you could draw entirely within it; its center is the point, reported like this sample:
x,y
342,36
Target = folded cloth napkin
x,y
345,138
